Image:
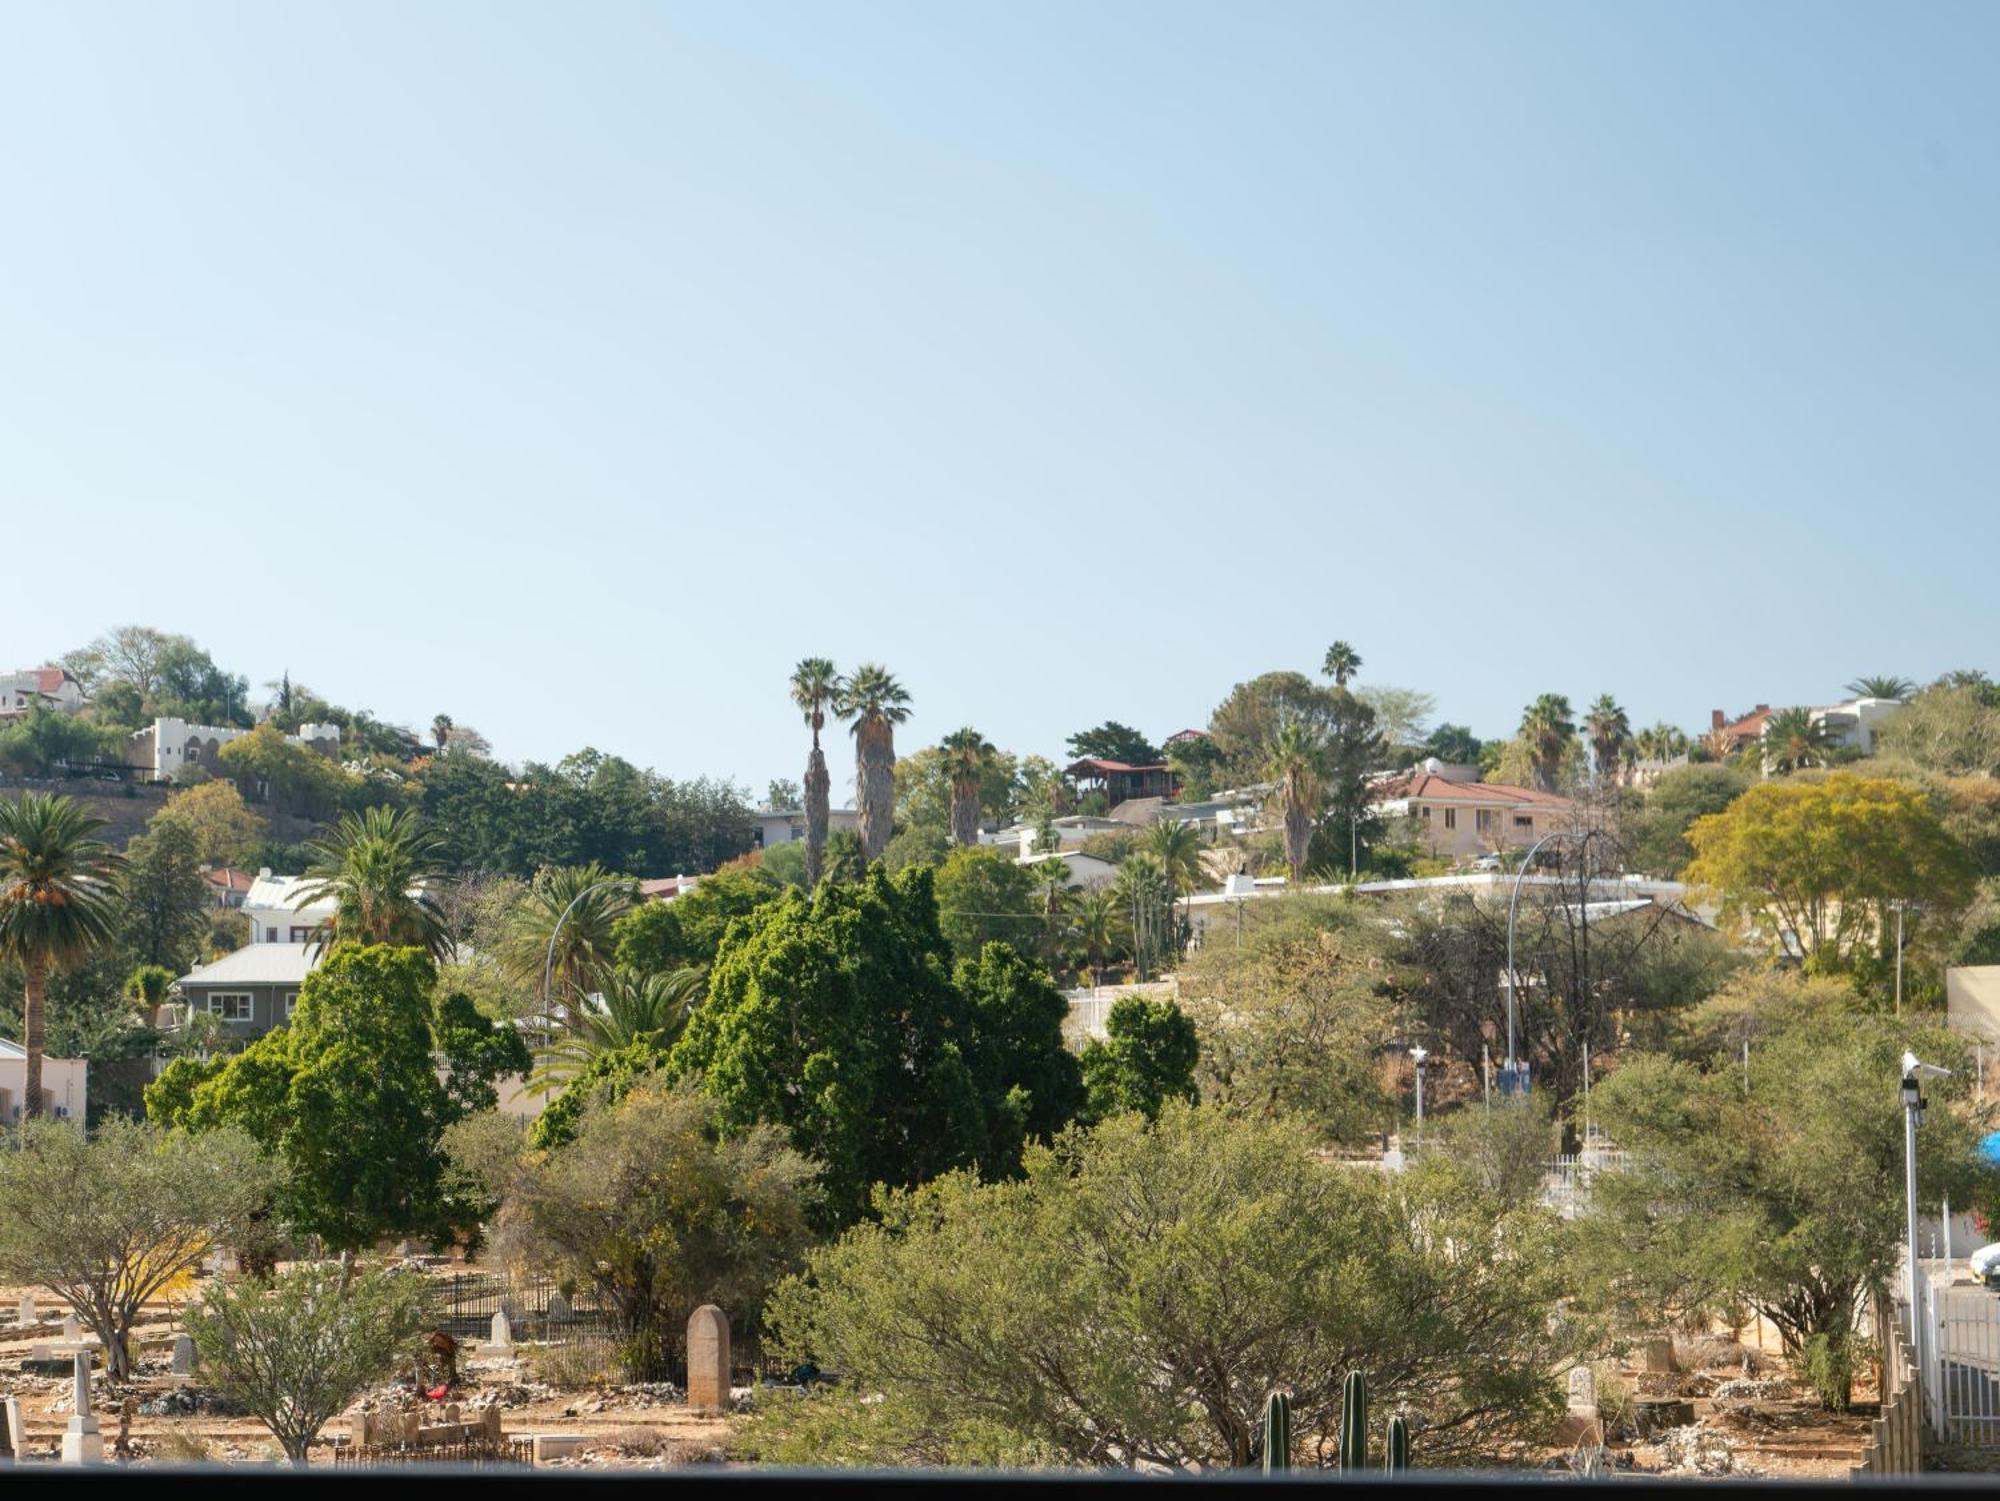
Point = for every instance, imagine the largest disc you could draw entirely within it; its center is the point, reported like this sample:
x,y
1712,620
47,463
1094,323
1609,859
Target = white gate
x,y
1960,1356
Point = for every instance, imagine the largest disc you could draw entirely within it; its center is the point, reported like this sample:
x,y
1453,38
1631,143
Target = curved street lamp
x,y
549,963
1513,908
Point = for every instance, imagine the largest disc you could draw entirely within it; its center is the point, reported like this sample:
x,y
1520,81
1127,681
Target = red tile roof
x,y
49,680
1430,788
1094,764
228,879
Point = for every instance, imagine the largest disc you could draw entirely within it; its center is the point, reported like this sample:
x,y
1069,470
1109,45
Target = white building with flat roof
x,y
64,1084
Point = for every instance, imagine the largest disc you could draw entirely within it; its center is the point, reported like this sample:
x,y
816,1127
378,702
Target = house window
x,y
300,935
231,1006
1451,818
1484,819
291,1003
1424,810
1523,821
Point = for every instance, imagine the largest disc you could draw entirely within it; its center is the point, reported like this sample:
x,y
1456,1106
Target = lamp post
x,y
1420,1054
1899,907
1913,1116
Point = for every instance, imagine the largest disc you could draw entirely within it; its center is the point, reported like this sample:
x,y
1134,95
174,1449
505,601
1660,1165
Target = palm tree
x,y
1097,918
632,1007
1055,879
1549,732
574,909
1660,742
1610,733
1882,687
1342,662
1794,739
877,703
375,868
56,887
1298,766
967,757
815,688
441,728
1141,890
1177,846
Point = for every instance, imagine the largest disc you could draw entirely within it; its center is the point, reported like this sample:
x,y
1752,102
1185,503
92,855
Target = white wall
x,y
65,1078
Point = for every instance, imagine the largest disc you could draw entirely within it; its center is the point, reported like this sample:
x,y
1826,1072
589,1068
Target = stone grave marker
x,y
559,1310
28,1313
184,1355
72,1330
1583,1392
13,1437
708,1359
501,1342
82,1442
1657,1357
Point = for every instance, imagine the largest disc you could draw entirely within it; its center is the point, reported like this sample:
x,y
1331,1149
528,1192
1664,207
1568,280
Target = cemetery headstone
x,y
13,1437
1658,1356
501,1341
708,1359
1583,1391
72,1330
184,1355
28,1313
82,1442
559,1310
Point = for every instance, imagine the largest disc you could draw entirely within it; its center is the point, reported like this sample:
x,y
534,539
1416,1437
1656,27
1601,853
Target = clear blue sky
x,y
576,368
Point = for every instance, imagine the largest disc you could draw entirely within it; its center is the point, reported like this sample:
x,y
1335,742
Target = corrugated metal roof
x,y
257,964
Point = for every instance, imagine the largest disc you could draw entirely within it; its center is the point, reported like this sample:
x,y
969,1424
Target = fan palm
x,y
1882,687
1342,662
1793,739
1177,847
1610,735
967,757
877,703
57,881
1298,766
441,728
1146,898
569,911
632,1007
815,688
375,868
1098,921
1660,742
1549,732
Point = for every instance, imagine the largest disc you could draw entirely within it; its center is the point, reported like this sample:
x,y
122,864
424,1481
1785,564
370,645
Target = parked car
x,y
1985,1264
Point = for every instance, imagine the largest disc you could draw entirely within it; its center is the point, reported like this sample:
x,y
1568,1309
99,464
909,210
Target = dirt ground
x,y
643,1427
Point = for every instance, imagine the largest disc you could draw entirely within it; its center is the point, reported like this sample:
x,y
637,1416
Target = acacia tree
x,y
1135,1297
877,703
110,1221
57,884
1814,866
297,1349
815,689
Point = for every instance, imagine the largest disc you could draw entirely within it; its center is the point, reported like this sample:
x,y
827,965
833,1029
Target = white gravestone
x,y
502,1340
1583,1392
72,1330
184,1356
82,1443
13,1437
28,1313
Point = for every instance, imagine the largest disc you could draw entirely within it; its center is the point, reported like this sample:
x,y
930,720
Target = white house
x,y
40,687
1855,722
770,827
1086,871
273,918
63,1083
167,745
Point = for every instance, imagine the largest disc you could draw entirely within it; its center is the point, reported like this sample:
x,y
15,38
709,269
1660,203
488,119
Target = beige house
x,y
64,1084
1458,820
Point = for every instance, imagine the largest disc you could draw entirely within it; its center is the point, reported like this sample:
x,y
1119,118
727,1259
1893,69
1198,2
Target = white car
x,y
1985,1264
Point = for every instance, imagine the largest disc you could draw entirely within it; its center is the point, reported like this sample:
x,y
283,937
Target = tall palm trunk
x,y
31,1037
818,785
965,812
875,765
1298,834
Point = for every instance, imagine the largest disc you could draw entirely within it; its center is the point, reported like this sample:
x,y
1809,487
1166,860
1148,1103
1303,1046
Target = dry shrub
x,y
183,1444
1707,1352
638,1442
585,1360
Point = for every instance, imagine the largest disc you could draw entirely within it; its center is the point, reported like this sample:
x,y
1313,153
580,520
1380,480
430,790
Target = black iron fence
x,y
465,1302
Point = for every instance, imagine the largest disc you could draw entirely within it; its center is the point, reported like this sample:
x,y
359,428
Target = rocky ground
x,y
175,1419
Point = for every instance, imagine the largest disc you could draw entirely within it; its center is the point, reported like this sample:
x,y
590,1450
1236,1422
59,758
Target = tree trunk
x,y
875,763
1298,839
965,812
31,1038
818,784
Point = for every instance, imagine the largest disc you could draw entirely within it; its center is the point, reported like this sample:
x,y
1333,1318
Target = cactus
x,y
1354,1422
1277,1432
1398,1457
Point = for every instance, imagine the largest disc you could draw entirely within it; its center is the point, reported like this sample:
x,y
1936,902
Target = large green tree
x,y
1137,1296
983,897
1548,731
1659,844
164,901
839,1019
967,756
1146,1057
659,937
1112,741
58,884
353,1096
1814,866
1609,730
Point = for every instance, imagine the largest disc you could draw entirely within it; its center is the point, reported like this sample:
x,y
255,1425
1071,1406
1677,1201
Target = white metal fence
x,y
1958,1350
1566,1184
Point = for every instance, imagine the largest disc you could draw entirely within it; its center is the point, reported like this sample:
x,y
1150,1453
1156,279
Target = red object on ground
x,y
436,1393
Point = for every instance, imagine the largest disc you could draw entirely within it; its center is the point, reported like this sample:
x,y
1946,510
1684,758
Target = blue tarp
x,y
1989,1146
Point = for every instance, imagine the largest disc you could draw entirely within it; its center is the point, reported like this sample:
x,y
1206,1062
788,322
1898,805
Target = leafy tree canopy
x,y
1146,1058
1112,741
